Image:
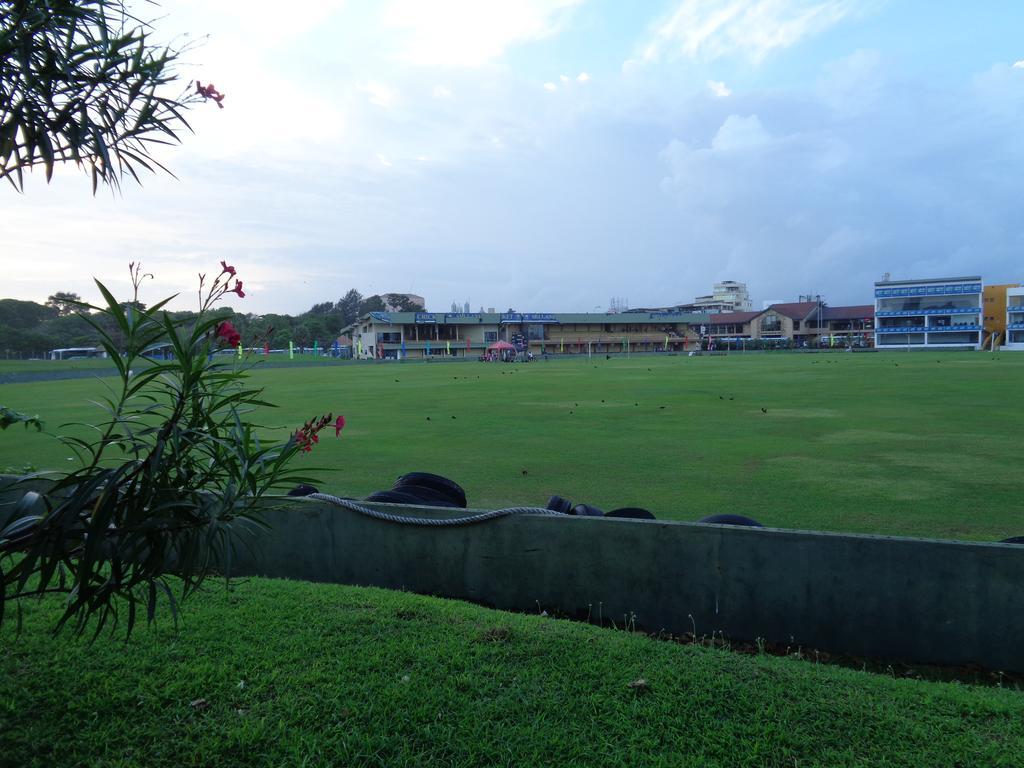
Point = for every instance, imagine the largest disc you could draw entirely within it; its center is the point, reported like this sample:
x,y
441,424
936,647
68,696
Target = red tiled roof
x,y
858,312
796,310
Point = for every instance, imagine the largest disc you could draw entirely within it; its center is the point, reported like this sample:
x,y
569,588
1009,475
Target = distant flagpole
x,y
448,347
561,344
666,342
291,350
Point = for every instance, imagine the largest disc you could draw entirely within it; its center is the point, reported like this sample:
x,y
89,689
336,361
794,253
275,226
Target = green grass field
x,y
279,673
894,443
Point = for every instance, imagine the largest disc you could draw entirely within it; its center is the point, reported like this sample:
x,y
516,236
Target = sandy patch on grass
x,y
802,413
861,480
865,436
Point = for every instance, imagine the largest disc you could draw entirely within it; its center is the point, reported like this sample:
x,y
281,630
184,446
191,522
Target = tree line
x,y
29,329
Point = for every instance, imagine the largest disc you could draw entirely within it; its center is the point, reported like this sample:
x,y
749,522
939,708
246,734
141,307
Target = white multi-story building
x,y
1014,319
726,296
933,313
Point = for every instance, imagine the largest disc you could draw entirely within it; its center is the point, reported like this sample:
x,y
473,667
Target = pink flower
x,y
227,269
228,332
339,425
238,289
210,92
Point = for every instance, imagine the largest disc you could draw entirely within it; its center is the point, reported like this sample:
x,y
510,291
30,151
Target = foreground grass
x,y
290,673
895,443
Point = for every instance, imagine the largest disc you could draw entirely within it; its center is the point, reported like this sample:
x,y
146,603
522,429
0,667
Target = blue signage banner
x,y
384,317
929,290
461,316
426,317
539,318
528,317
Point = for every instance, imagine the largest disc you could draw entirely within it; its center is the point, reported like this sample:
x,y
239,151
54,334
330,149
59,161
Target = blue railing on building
x,y
929,329
928,290
917,312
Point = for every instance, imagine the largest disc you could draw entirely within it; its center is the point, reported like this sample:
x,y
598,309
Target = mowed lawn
x,y
278,673
921,444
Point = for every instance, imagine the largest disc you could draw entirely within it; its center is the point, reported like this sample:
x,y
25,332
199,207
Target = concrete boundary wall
x,y
922,600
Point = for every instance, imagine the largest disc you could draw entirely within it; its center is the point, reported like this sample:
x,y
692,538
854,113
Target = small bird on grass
x,y
453,417
661,407
764,410
428,418
525,473
721,398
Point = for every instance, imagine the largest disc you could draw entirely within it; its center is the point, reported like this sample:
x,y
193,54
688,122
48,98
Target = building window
x,y
490,336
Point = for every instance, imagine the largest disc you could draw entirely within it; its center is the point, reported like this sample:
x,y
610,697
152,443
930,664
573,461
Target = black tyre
x,y
454,492
633,513
303,489
1013,540
558,504
401,497
585,510
430,496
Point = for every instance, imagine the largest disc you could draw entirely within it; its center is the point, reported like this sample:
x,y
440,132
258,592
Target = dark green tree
x,y
371,304
348,307
64,302
23,314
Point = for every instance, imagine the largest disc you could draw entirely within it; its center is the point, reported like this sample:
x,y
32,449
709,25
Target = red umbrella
x,y
500,345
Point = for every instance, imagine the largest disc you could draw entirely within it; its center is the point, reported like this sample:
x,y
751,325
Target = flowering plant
x,y
170,487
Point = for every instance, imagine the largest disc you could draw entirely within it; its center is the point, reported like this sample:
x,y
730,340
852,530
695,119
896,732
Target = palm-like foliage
x,y
79,82
168,485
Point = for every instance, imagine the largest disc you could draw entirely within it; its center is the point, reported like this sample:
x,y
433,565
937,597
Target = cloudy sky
x,y
548,155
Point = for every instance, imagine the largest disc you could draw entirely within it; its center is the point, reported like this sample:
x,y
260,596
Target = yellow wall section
x,y
993,306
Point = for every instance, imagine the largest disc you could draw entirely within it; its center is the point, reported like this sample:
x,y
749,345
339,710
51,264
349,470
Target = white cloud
x,y
739,133
550,87
564,78
582,77
440,92
258,22
470,33
711,29
379,93
1018,64
720,89
853,84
